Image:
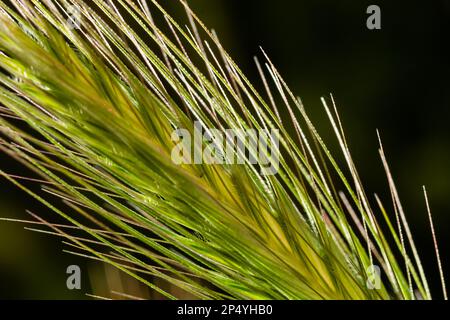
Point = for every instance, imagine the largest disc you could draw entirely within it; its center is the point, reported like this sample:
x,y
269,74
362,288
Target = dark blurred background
x,y
395,79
